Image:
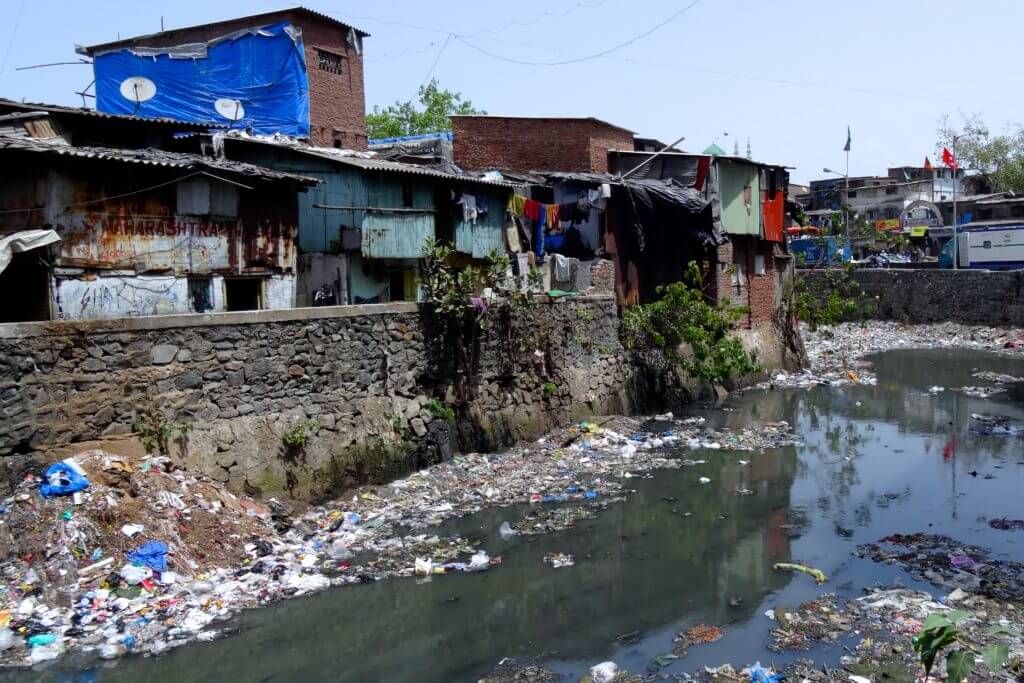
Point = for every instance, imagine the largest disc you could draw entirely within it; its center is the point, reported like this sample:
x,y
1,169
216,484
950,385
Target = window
x,y
243,294
330,62
200,294
987,244
759,264
890,190
853,193
407,193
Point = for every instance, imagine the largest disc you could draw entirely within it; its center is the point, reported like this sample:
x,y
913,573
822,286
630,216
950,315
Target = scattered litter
x,y
1005,524
559,560
605,672
816,574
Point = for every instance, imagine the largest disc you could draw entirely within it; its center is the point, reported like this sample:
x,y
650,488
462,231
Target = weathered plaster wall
x,y
926,296
118,296
364,376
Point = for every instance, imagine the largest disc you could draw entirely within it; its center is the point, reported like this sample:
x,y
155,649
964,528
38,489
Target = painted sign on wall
x,y
184,244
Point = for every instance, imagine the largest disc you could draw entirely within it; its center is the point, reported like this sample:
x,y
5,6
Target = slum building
x,y
294,71
361,231
102,231
748,205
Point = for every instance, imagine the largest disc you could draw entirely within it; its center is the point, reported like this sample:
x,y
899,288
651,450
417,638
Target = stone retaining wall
x,y
926,296
361,379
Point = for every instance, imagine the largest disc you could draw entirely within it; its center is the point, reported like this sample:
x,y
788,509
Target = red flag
x,y
947,158
927,164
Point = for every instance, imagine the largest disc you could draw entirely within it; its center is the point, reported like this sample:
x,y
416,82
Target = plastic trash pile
x,y
110,556
836,353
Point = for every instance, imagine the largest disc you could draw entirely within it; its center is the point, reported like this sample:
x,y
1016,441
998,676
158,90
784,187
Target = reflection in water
x,y
877,460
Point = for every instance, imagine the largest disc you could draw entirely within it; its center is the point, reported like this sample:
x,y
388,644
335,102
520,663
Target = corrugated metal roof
x,y
152,157
298,9
82,111
350,158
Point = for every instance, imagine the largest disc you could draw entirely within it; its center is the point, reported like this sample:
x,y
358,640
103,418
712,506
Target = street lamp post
x,y
846,205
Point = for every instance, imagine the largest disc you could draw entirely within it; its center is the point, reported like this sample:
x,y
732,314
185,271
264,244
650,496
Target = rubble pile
x,y
139,556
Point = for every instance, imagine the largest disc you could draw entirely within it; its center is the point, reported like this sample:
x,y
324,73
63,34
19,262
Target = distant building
x,y
293,71
530,143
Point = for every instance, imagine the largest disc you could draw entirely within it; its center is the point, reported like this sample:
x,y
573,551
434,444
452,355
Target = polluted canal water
x,y
909,454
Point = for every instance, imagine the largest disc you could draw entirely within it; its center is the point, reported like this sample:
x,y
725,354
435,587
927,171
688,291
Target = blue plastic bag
x,y
152,554
62,480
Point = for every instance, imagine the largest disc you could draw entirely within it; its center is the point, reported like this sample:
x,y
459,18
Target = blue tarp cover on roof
x,y
251,79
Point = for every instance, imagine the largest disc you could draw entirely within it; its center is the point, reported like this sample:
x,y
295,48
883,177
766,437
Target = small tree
x,y
682,317
999,157
405,118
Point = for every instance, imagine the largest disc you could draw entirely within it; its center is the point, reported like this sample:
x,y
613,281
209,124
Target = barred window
x,y
329,61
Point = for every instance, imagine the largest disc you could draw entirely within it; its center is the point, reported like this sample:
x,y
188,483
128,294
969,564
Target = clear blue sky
x,y
789,75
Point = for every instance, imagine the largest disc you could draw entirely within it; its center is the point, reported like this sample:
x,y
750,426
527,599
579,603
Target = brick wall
x,y
337,103
740,284
526,144
763,285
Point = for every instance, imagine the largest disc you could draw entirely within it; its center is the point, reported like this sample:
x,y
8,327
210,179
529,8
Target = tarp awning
x,y
667,205
26,240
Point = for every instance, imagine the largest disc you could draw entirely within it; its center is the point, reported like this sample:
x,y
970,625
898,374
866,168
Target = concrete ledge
x,y
55,328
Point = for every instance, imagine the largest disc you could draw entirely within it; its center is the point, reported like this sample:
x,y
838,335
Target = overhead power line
x,y
585,58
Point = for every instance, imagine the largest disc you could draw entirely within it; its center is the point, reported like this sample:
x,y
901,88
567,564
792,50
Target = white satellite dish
x,y
230,109
138,89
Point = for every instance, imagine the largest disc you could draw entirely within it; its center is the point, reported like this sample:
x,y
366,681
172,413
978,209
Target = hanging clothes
x,y
516,204
532,209
469,211
512,242
538,241
552,213
702,172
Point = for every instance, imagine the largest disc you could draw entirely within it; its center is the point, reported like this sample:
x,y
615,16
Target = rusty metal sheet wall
x,y
181,244
388,235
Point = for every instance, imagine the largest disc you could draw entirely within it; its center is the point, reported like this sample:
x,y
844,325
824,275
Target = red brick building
x,y
334,67
528,143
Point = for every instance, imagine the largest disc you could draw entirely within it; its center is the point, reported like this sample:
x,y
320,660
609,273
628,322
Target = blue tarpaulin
x,y
62,480
152,554
254,78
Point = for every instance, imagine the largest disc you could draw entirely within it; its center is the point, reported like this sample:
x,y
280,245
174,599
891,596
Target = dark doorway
x,y
200,293
396,282
26,282
243,294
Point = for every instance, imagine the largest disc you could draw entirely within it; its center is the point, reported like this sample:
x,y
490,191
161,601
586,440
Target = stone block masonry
x,y
358,382
977,297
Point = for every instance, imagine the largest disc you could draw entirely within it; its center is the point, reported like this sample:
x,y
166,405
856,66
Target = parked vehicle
x,y
988,245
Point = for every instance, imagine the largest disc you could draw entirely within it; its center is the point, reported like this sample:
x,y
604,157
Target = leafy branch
x,y
940,631
689,333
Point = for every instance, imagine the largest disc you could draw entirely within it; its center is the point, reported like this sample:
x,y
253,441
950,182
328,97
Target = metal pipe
x,y
651,158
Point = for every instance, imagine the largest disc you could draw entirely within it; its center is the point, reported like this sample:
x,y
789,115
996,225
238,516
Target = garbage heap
x,y
86,538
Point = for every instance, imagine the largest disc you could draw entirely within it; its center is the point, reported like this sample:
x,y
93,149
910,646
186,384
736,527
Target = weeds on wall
x,y
842,298
682,330
157,430
461,303
299,434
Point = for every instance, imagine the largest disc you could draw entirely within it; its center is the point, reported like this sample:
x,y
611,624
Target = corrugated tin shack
x,y
142,231
362,229
748,201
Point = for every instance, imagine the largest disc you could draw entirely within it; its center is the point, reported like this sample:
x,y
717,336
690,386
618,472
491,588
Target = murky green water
x,y
877,460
